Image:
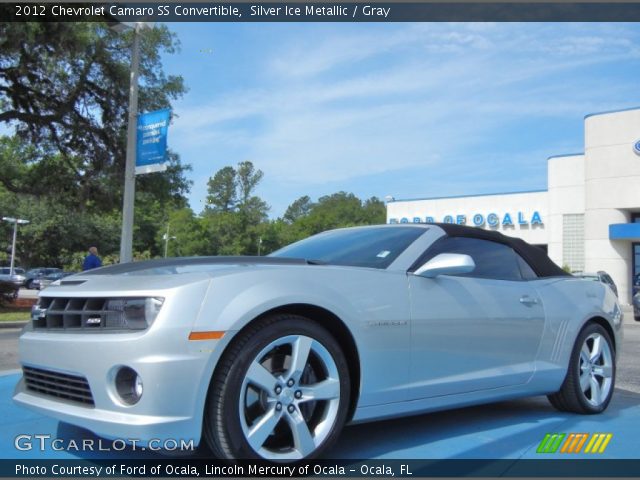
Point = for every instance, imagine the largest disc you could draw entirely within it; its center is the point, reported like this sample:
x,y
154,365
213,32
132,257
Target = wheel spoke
x,y
299,356
585,354
263,428
303,441
596,349
604,371
596,392
585,381
261,377
325,390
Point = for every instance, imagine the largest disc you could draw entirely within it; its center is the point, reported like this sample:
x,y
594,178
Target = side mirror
x,y
446,264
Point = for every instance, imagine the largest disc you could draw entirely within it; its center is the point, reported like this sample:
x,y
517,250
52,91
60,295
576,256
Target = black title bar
x,y
323,12
198,467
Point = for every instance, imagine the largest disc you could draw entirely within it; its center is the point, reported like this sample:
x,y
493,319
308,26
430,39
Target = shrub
x,y
8,292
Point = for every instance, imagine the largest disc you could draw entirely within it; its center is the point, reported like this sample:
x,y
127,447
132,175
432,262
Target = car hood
x,y
151,276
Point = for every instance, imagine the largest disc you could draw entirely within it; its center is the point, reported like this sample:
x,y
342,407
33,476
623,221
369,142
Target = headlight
x,y
133,313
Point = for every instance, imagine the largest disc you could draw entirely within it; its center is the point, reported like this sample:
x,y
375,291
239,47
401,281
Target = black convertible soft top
x,y
534,256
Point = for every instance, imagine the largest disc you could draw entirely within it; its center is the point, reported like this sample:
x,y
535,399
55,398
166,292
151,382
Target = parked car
x,y
600,276
268,357
636,307
34,274
18,278
44,282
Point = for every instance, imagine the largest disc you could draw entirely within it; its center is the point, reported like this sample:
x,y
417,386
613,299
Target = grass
x,y
14,314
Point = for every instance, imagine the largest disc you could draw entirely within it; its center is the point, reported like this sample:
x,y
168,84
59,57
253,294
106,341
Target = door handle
x,y
527,300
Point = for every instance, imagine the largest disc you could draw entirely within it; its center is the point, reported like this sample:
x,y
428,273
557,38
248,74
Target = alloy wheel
x,y
290,398
596,369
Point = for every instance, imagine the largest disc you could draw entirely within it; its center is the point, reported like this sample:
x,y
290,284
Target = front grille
x,y
86,314
60,385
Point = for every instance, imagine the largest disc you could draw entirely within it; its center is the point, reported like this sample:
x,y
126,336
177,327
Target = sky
x,y
404,110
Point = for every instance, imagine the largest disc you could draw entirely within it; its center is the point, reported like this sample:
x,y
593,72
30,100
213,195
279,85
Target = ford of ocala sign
x,y
479,220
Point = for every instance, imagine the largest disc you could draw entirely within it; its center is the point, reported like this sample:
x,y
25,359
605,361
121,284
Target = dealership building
x,y
588,218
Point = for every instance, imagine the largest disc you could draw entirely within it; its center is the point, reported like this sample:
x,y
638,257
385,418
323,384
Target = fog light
x,y
128,385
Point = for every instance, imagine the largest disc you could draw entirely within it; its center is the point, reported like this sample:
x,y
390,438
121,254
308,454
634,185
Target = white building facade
x,y
588,219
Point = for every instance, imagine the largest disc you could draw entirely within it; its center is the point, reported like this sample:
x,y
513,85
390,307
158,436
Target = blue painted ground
x,y
508,430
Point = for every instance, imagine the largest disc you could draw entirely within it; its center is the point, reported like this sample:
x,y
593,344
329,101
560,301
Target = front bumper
x,y
109,424
175,374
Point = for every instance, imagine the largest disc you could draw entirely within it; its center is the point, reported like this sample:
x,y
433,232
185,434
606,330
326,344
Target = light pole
x,y
166,239
15,222
126,239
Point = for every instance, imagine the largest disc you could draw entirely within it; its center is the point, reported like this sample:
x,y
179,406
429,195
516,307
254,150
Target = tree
x,y
64,92
248,180
234,214
53,236
298,209
187,235
232,190
340,209
252,209
64,89
304,217
222,195
375,211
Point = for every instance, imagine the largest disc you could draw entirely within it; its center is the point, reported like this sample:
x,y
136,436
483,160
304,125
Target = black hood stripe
x,y
182,261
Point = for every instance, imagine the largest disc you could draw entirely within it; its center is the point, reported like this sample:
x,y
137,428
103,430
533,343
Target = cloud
x,y
346,102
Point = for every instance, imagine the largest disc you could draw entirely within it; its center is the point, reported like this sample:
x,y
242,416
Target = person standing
x,y
92,260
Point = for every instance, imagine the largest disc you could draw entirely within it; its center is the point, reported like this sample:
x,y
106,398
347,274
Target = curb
x,y
13,324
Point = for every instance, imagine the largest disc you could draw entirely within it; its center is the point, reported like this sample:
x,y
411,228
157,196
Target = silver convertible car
x,y
269,357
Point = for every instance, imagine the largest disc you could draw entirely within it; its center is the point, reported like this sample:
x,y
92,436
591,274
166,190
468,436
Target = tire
x,y
280,392
29,285
588,386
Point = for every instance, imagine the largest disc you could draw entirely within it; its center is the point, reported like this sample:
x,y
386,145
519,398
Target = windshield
x,y
375,247
16,270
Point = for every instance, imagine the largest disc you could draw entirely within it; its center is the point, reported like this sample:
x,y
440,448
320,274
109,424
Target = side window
x,y
525,269
493,260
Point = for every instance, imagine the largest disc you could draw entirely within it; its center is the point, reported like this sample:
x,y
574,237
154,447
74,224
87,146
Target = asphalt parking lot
x,y
9,348
507,430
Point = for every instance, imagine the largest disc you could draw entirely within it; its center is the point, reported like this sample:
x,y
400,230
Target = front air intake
x,y
60,385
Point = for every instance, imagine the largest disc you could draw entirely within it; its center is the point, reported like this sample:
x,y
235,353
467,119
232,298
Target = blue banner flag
x,y
151,148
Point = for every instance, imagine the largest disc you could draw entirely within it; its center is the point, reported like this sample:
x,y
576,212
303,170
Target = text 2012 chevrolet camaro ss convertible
x,y
268,357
